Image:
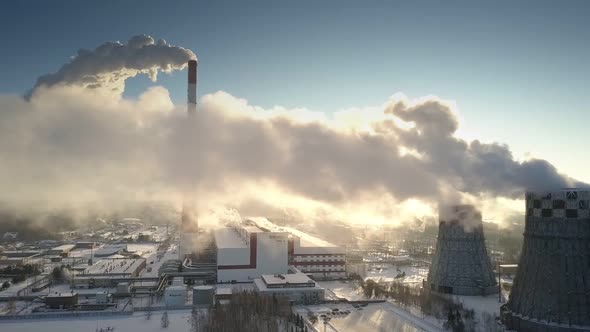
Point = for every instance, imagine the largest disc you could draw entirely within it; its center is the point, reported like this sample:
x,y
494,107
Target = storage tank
x,y
550,291
461,264
203,295
175,295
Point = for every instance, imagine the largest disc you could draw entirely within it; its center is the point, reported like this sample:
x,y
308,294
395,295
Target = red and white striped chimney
x,y
192,87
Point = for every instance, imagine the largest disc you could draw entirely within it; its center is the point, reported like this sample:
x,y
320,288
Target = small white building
x,y
295,285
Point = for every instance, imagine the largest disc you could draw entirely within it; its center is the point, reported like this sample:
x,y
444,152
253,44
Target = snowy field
x,y
179,321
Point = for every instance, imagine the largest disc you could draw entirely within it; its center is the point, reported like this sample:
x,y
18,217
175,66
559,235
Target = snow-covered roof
x,y
114,266
305,240
282,279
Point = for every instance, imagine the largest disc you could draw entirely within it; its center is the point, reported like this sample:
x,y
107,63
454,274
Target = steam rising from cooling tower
x,y
192,87
551,291
461,264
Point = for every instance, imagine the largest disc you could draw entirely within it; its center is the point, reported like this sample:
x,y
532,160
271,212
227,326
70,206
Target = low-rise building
x,y
110,250
21,257
62,250
295,285
61,300
120,267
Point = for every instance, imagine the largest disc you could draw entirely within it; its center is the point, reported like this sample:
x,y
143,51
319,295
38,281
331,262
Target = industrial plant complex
x,y
450,276
551,291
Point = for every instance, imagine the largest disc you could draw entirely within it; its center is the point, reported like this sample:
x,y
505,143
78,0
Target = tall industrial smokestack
x,y
192,87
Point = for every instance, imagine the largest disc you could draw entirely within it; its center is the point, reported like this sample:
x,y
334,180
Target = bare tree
x,y
165,320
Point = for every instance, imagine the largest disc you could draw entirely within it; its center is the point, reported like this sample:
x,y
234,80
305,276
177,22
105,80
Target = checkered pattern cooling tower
x,y
551,291
461,264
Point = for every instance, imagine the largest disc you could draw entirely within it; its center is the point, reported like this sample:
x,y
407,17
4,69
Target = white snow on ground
x,y
480,304
343,289
387,273
380,311
179,322
372,318
14,288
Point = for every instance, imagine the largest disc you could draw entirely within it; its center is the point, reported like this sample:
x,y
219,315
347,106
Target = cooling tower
x,y
551,291
461,264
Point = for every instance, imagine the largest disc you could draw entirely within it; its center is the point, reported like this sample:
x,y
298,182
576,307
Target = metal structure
x,y
192,87
551,290
461,264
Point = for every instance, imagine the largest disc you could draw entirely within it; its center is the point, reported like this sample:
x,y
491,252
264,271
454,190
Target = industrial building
x,y
461,264
20,257
295,285
61,300
119,267
110,250
550,291
85,245
62,250
246,251
311,255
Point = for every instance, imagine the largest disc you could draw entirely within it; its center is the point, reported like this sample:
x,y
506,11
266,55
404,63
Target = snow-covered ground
x,y
489,304
382,313
343,289
372,318
14,288
179,322
388,272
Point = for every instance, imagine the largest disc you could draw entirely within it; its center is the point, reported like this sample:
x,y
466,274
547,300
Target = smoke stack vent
x,y
552,284
461,264
192,87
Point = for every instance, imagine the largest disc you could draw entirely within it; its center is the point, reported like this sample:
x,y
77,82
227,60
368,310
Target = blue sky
x,y
519,71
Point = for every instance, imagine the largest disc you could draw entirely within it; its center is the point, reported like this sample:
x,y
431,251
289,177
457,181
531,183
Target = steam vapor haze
x,y
76,142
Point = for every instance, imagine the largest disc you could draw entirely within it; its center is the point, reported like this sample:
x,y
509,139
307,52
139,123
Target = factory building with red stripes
x,y
257,246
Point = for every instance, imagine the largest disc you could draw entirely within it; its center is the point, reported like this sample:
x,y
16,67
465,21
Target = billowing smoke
x,y
70,146
110,64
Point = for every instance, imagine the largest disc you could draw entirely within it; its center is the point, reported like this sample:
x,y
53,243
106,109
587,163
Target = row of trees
x,y
20,273
248,311
458,318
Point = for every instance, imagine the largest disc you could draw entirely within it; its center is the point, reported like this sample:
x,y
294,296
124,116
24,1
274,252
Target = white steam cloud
x,y
71,146
110,64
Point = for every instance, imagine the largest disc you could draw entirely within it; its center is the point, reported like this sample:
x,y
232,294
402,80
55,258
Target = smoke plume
x,y
110,64
71,145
